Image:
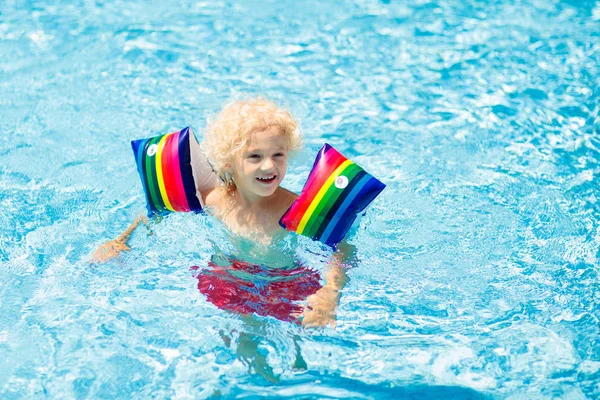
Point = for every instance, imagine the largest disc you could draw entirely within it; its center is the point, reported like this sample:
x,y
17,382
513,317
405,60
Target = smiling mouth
x,y
267,179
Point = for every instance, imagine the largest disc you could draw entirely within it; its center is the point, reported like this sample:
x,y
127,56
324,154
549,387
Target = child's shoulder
x,y
285,200
287,196
212,198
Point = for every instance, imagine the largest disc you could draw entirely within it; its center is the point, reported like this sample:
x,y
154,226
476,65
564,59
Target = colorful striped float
x,y
337,190
167,165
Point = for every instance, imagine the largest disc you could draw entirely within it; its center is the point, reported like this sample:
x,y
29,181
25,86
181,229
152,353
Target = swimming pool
x,y
478,272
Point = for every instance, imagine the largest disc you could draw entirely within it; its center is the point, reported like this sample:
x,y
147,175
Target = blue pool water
x,y
478,271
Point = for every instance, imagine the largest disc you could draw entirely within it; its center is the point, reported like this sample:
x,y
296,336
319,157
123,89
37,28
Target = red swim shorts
x,y
263,291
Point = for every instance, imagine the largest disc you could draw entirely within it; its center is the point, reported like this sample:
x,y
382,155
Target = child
x,y
248,145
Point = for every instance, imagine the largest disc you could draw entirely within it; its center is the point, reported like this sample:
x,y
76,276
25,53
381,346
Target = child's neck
x,y
253,201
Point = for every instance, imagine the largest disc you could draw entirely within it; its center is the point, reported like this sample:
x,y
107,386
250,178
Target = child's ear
x,y
228,165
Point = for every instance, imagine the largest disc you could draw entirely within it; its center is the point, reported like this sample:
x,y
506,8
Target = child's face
x,y
261,165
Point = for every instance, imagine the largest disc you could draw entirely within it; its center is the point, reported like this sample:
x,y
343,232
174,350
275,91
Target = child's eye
x,y
279,155
254,156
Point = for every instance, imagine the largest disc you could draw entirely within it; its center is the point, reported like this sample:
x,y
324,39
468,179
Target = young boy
x,y
248,145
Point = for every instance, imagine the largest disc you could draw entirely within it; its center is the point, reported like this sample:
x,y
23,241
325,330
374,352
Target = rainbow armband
x,y
336,191
173,171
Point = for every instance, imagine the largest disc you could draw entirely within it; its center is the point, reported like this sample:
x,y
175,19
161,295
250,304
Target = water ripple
x,y
478,265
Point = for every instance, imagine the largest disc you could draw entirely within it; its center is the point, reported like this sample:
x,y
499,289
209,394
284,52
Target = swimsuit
x,y
246,288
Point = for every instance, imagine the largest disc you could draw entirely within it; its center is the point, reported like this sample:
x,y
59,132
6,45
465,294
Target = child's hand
x,y
108,250
111,249
321,308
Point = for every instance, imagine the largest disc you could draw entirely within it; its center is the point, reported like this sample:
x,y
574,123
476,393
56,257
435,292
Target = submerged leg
x,y
249,353
299,363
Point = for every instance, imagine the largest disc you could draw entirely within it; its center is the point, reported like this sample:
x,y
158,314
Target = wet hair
x,y
228,133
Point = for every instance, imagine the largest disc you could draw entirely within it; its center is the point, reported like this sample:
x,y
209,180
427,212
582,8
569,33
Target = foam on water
x,y
478,271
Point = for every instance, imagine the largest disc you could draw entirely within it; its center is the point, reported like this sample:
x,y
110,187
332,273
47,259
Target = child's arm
x,y
113,247
322,304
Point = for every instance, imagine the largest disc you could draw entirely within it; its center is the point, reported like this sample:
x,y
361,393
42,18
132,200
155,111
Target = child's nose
x,y
268,163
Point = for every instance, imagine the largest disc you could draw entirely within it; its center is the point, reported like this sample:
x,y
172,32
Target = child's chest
x,y
257,223
261,225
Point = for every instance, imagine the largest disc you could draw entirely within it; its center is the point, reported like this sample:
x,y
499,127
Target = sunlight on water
x,y
477,270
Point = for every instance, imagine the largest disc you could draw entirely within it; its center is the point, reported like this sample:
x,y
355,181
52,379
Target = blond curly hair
x,y
228,134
